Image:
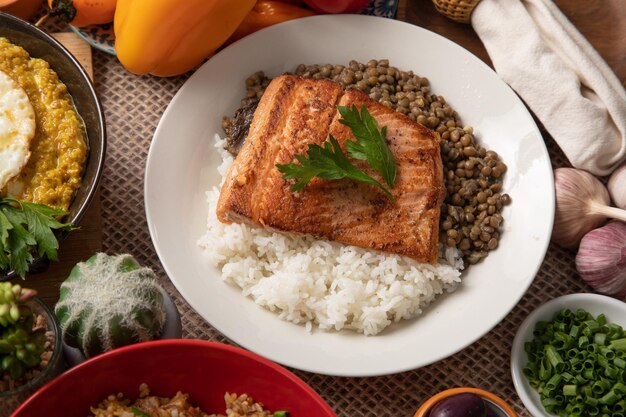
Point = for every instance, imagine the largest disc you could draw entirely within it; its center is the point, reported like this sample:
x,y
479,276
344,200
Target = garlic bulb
x,y
601,259
582,204
617,186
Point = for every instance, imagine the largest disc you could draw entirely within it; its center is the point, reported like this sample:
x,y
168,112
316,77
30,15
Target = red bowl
x,y
205,370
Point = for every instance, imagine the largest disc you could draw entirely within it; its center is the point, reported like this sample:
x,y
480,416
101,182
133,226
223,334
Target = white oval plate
x,y
182,164
596,304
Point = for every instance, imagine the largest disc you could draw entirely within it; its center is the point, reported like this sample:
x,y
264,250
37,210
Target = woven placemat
x,y
133,107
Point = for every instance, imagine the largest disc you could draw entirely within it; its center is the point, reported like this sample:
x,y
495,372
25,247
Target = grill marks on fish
x,y
295,112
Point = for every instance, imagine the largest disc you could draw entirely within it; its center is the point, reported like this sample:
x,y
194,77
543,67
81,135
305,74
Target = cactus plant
x,y
108,302
20,346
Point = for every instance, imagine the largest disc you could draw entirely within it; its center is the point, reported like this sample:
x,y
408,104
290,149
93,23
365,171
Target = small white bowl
x,y
614,310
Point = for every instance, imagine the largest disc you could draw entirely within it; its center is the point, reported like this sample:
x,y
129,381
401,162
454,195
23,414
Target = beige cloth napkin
x,y
560,76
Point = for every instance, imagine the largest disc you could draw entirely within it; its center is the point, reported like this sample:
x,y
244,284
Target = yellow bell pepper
x,y
171,37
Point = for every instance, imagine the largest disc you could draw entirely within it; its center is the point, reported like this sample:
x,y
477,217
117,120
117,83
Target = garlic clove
x,y
601,259
578,193
617,186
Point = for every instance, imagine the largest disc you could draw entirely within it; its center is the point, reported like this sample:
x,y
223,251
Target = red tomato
x,y
337,6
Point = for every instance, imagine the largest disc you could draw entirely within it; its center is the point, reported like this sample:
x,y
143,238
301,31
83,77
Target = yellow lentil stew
x,y
54,171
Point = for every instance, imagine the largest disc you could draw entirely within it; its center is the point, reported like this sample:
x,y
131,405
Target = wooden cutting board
x,y
86,241
78,47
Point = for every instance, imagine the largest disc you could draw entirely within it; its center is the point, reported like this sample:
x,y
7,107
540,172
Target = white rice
x,y
316,282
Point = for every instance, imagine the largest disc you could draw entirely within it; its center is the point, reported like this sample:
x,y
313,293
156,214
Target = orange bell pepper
x,y
171,37
82,13
268,13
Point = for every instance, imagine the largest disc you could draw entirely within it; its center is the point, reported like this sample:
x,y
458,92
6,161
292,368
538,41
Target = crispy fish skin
x,y
294,112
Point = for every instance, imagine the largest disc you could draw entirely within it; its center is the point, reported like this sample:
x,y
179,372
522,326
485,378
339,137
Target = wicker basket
x,y
457,10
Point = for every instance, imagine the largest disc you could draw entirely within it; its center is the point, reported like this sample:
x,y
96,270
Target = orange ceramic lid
x,y
430,403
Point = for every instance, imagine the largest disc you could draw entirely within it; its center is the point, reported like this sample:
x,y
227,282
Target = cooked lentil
x,y
59,149
472,173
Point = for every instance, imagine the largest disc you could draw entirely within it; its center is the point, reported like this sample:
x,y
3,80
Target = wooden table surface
x,y
603,22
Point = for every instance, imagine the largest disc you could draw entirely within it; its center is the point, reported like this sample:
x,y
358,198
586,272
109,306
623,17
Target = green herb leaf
x,y
41,222
329,162
281,413
370,142
5,225
27,228
139,412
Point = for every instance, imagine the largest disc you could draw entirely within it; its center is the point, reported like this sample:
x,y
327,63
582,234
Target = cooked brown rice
x,y
178,406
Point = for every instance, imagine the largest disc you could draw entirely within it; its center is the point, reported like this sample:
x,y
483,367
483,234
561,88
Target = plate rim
x,y
81,34
359,373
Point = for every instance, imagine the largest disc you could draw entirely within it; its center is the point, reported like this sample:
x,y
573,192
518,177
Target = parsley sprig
x,y
25,229
331,163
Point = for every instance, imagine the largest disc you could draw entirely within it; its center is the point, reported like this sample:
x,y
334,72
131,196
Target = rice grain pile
x,y
317,282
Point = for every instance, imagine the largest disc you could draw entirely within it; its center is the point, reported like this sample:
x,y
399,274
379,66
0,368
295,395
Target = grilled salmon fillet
x,y
294,112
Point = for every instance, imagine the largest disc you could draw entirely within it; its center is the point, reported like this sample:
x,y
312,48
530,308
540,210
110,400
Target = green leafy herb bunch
x,y
27,229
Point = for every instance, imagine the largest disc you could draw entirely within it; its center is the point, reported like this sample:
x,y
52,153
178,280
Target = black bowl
x,y
41,45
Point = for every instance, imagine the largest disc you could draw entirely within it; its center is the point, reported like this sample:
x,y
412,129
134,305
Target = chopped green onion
x,y
592,410
577,367
139,412
619,344
577,363
583,342
549,402
610,372
591,401
281,413
619,388
530,371
615,329
569,390
600,387
544,371
610,398
589,374
607,353
580,379
581,314
592,325
603,361
567,377
571,354
553,382
554,358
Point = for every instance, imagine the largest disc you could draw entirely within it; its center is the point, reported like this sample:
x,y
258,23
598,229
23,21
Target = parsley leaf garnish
x,y
330,163
371,145
25,229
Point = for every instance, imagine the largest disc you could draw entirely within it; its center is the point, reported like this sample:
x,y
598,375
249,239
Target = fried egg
x,y
17,128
